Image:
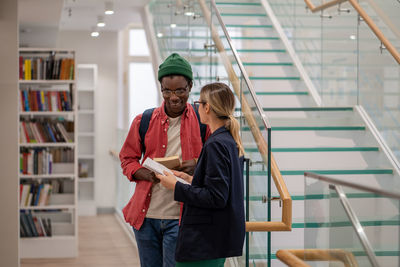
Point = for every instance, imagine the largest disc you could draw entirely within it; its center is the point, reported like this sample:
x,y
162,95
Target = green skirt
x,y
206,263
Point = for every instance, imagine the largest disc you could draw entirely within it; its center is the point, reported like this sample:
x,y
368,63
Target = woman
x,y
213,225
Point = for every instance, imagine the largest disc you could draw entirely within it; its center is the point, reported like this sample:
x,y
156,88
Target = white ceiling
x,y
77,14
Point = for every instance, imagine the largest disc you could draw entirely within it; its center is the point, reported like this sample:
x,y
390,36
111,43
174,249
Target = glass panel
x,y
138,43
304,31
143,92
339,56
380,221
379,73
327,226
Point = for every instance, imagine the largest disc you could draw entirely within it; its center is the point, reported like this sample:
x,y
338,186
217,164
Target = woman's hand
x,y
188,178
167,180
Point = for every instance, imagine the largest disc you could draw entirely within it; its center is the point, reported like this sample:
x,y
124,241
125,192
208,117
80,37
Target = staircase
x,y
329,140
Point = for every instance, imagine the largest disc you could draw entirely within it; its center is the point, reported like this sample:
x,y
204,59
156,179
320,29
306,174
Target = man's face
x,y
175,91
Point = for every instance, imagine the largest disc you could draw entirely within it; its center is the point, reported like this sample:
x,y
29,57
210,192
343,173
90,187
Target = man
x,y
173,130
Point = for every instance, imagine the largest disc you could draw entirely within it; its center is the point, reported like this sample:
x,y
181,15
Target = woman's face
x,y
204,111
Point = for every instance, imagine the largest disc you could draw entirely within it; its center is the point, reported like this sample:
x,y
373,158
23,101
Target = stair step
x,y
336,172
319,196
274,78
327,172
283,93
268,93
205,38
243,14
280,102
207,63
314,128
225,79
278,85
267,64
326,160
202,50
309,109
318,128
247,26
242,50
252,38
238,3
316,149
357,253
316,139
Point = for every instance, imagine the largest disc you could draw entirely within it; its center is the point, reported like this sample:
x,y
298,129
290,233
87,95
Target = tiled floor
x,y
102,243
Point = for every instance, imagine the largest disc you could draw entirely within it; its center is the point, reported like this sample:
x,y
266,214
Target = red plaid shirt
x,y
156,142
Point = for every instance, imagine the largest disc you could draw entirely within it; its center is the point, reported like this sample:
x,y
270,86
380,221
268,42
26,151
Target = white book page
x,y
159,169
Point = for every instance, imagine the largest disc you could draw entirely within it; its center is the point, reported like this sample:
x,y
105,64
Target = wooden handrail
x,y
296,257
314,9
286,223
378,33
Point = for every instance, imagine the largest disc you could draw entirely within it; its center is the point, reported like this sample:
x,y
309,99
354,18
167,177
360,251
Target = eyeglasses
x,y
178,92
197,104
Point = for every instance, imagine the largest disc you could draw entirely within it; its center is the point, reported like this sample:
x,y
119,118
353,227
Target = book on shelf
x,y
42,194
40,100
34,226
37,161
46,68
35,194
45,131
171,162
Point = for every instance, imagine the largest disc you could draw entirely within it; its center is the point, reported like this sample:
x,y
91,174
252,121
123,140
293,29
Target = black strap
x,y
144,126
145,121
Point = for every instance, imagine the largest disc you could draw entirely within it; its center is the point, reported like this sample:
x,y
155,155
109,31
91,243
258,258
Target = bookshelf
x,y
86,87
48,162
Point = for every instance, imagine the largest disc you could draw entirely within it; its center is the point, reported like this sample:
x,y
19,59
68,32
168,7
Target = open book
x,y
159,169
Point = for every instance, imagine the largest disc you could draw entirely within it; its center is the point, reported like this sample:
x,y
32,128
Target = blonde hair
x,y
222,101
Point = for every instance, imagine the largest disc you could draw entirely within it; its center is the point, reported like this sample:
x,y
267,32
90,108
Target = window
x,y
142,88
137,43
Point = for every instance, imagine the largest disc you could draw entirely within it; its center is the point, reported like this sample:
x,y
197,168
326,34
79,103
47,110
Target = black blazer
x,y
213,222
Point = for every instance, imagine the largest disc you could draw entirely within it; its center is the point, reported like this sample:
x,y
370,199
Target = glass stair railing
x,y
330,140
357,219
347,62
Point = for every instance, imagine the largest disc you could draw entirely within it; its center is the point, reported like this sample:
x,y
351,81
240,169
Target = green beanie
x,y
175,64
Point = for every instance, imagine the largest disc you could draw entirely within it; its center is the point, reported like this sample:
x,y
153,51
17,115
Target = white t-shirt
x,y
162,204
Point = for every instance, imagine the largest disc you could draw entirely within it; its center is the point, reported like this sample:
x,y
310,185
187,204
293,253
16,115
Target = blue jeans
x,y
156,241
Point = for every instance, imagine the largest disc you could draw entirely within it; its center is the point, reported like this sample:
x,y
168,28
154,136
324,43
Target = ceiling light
x,y
159,35
353,37
173,25
100,21
95,32
189,13
109,10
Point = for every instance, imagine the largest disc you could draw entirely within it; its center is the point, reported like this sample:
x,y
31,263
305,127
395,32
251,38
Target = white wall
x,y
102,51
9,222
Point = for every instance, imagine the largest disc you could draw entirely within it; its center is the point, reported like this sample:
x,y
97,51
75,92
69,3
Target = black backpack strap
x,y
203,127
144,126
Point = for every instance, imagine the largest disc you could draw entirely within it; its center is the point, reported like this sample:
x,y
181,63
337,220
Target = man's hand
x,y
146,175
188,166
